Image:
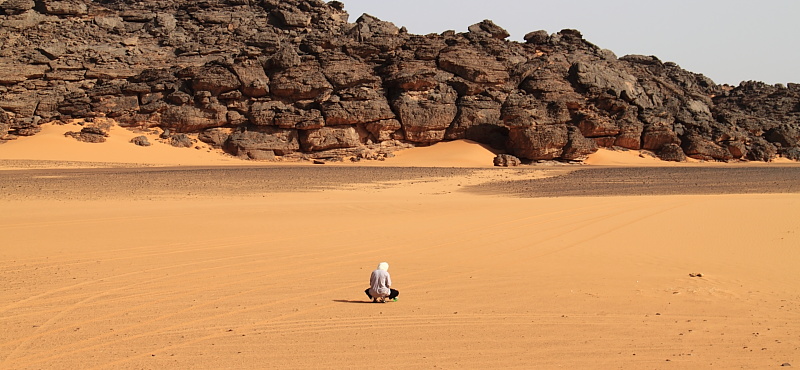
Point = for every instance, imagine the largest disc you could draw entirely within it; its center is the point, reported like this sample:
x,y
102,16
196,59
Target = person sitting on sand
x,y
380,285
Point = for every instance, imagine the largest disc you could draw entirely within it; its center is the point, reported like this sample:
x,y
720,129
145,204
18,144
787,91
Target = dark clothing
x,y
393,293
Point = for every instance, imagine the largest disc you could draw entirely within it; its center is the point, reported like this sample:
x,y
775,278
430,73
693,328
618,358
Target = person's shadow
x,y
349,301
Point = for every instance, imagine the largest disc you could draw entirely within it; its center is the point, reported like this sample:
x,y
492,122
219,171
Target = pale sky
x,y
727,40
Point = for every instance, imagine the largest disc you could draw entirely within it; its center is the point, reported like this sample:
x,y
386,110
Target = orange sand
x,y
606,157
486,282
50,144
118,150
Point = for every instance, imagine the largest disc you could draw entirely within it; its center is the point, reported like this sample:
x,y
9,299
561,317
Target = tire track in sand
x,y
325,292
570,214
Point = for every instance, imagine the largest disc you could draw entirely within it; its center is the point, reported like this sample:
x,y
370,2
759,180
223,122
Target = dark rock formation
x,y
294,78
672,153
181,141
140,141
506,160
258,141
89,134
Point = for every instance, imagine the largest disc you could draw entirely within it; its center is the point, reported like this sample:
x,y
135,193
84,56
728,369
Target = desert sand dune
x,y
207,275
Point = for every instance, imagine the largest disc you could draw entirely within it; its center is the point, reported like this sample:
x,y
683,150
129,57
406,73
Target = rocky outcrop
x,y
140,141
89,134
296,79
506,160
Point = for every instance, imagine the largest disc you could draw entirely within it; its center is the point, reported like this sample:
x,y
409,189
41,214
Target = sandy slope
x,y
50,149
276,280
51,145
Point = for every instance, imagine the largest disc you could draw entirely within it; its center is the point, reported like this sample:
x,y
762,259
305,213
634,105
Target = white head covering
x,y
383,266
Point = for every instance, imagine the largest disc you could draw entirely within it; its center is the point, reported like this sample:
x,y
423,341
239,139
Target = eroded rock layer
x,y
266,78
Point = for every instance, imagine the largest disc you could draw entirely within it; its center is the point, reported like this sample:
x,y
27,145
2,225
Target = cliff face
x,y
264,78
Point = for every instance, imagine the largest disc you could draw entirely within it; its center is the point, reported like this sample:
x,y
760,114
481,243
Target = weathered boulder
x,y
568,37
292,18
654,138
181,141
490,29
344,71
737,149
595,124
114,106
599,78
425,48
14,7
384,130
631,128
371,36
216,137
213,78
89,134
672,152
791,153
152,102
785,135
285,57
506,160
14,73
425,115
256,141
264,113
543,142
140,141
473,65
254,80
578,147
112,24
29,130
368,26
761,150
523,110
22,104
163,24
326,138
698,147
356,105
187,118
537,37
658,130
66,7
547,83
75,104
276,113
301,119
303,82
53,50
414,75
